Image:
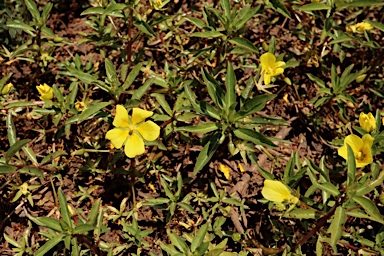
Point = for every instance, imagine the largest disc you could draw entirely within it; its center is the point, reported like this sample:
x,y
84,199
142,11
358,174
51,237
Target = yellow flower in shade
x,y
269,66
80,106
157,4
359,27
225,170
277,192
367,121
361,148
46,92
131,132
6,89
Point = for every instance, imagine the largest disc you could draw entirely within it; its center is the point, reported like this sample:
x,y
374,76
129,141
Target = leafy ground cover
x,y
191,127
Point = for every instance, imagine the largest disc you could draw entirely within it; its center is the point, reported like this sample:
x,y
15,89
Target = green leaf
x,y
230,95
207,109
43,250
30,154
369,208
200,128
328,187
11,131
337,225
317,80
377,25
254,137
83,229
281,8
362,3
47,9
244,15
52,156
131,78
93,10
312,7
301,214
214,89
14,149
47,32
33,10
114,7
197,22
199,238
366,188
351,174
253,105
140,92
163,103
207,34
20,104
20,25
178,242
51,223
191,97
207,152
88,113
4,169
111,72
64,208
84,77
92,217
244,43
144,27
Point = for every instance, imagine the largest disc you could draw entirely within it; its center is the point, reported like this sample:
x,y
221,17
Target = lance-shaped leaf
x,y
337,225
230,83
254,137
207,152
369,208
200,128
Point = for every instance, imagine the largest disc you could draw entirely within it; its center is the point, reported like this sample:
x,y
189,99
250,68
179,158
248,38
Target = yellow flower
x,y
269,66
359,27
277,192
361,148
80,106
46,92
225,170
131,132
6,89
241,168
158,3
367,122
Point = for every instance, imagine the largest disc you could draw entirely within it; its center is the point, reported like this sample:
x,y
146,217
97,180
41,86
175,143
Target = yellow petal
x,y
149,130
121,118
241,168
343,152
139,115
354,141
368,140
275,191
367,121
280,64
134,146
267,79
267,60
46,92
117,137
225,170
279,71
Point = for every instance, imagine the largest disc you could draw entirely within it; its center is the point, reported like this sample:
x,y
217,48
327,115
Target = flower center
x,y
359,155
269,71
